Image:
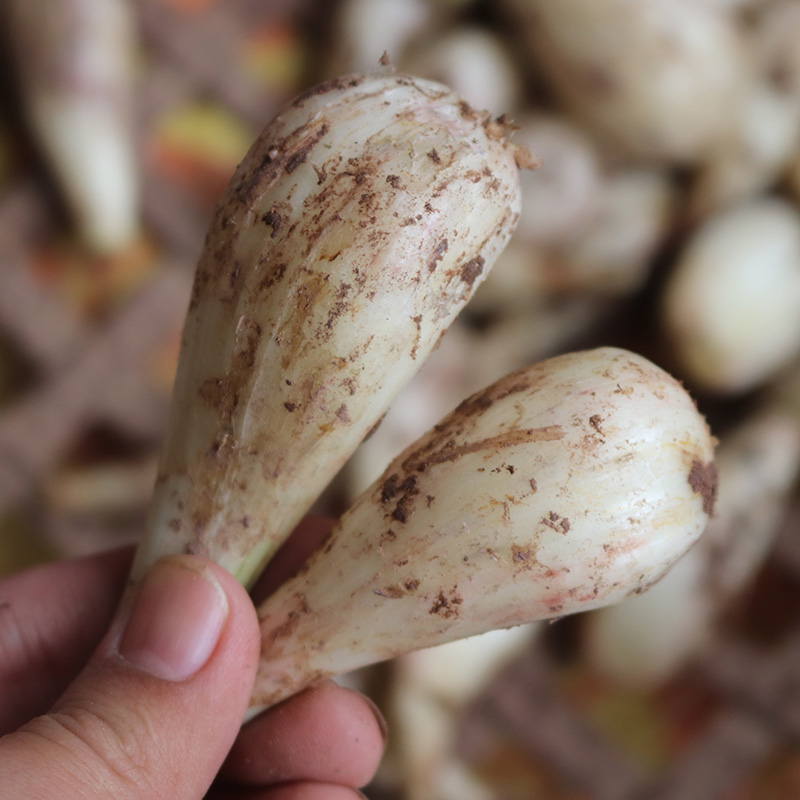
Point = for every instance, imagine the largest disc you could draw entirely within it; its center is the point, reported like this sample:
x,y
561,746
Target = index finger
x,y
51,619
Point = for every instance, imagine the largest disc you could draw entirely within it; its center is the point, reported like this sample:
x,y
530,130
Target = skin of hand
x,y
147,701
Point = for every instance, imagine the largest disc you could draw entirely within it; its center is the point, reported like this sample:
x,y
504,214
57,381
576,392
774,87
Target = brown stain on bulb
x,y
274,220
472,270
486,398
404,492
438,253
451,451
222,394
557,523
523,557
704,480
399,590
277,158
447,606
333,85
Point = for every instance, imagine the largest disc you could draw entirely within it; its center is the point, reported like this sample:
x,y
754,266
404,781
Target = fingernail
x,y
379,718
177,619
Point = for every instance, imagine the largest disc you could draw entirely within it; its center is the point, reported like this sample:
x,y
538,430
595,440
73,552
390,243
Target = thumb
x,y
157,708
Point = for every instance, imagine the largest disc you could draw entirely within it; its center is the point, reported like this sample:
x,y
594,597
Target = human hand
x,y
148,702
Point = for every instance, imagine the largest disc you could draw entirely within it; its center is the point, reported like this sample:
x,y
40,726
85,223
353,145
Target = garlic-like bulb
x,y
363,30
764,132
562,487
563,195
658,80
611,254
473,61
74,60
430,693
352,234
731,306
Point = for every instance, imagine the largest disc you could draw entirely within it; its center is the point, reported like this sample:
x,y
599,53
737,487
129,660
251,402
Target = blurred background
x,y
664,219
